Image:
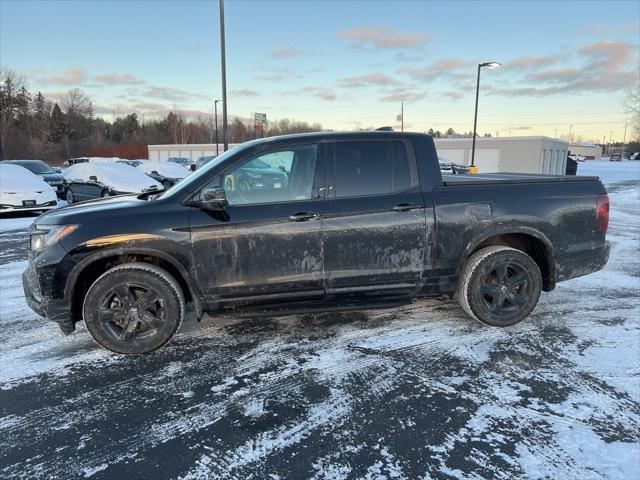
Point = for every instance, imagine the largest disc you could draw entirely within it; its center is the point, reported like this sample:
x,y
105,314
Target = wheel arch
x,y
91,267
530,241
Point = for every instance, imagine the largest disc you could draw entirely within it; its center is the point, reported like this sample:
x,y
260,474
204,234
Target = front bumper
x,y
57,310
30,208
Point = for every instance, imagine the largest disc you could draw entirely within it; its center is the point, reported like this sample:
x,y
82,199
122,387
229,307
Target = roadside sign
x,y
259,120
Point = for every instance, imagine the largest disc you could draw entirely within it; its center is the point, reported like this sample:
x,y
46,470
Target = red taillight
x,y
602,213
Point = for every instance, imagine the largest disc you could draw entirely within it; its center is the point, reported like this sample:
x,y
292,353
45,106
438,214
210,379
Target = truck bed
x,y
510,178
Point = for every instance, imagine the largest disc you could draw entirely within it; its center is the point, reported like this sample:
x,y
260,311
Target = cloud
x,y
171,94
244,93
375,78
118,79
446,67
554,76
287,53
382,37
315,91
71,77
529,62
631,27
148,106
403,95
452,95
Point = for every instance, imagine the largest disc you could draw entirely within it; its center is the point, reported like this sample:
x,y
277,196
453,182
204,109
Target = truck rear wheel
x,y
134,308
499,286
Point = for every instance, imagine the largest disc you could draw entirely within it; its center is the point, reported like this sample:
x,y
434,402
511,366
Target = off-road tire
x,y
69,197
134,328
480,289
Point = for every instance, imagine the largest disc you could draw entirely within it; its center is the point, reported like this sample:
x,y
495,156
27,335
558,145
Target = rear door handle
x,y
303,216
405,207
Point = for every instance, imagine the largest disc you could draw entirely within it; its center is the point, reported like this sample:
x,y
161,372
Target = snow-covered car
x,y
22,190
86,181
447,166
634,156
132,163
44,171
167,173
577,157
184,161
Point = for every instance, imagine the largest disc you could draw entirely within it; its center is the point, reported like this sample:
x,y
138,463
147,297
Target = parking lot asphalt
x,y
420,391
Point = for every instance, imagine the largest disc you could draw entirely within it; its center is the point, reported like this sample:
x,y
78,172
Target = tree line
x,y
33,126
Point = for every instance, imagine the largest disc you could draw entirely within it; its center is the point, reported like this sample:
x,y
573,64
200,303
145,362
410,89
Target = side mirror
x,y
213,199
93,178
154,172
57,169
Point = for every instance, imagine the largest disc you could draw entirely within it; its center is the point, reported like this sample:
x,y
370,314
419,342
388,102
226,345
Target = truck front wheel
x,y
134,308
499,286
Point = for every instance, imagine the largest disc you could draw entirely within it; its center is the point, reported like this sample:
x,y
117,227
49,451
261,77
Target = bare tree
x,y
631,105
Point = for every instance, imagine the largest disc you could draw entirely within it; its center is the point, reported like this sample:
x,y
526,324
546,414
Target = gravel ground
x,y
415,392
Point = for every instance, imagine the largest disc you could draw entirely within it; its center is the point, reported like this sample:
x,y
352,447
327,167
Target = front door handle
x,y
303,216
405,207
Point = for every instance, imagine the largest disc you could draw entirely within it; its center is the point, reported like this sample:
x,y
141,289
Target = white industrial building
x,y
508,154
194,151
587,150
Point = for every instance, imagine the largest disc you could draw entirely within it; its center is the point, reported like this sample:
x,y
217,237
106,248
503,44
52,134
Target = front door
x,y
374,219
266,246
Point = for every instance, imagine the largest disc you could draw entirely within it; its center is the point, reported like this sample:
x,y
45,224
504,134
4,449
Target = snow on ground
x,y
420,391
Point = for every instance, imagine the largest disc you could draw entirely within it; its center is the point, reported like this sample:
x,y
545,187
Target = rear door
x,y
266,246
373,219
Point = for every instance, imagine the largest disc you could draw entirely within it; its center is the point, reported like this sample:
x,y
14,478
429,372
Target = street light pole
x,y
490,65
215,110
225,131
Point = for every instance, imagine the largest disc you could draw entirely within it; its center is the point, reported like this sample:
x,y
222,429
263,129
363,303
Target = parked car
x,y
21,190
74,161
48,174
166,173
577,157
202,161
365,219
131,163
634,156
184,161
447,166
86,181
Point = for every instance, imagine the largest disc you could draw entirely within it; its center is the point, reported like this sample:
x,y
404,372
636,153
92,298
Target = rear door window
x,y
371,168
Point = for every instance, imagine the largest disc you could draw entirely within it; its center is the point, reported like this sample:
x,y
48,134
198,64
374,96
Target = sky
x,y
343,64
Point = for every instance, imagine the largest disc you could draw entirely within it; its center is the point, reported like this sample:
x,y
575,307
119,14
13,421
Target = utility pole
x,y
555,133
624,139
215,110
402,116
225,129
570,128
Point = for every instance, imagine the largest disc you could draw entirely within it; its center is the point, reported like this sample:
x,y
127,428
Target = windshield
x,y
202,172
180,160
36,167
257,163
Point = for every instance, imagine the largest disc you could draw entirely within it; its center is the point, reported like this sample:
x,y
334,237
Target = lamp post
x,y
490,66
215,114
223,60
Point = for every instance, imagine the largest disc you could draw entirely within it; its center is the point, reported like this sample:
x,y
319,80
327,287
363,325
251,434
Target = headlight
x,y
46,235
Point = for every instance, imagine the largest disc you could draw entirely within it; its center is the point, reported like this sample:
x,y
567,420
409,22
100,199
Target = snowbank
x,y
117,176
166,169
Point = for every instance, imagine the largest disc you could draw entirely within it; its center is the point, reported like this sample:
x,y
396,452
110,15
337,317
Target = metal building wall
x,y
514,154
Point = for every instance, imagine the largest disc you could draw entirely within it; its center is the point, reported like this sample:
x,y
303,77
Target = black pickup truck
x,y
363,220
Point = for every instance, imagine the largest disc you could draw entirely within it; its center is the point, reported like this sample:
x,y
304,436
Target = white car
x,y
21,190
86,181
577,157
